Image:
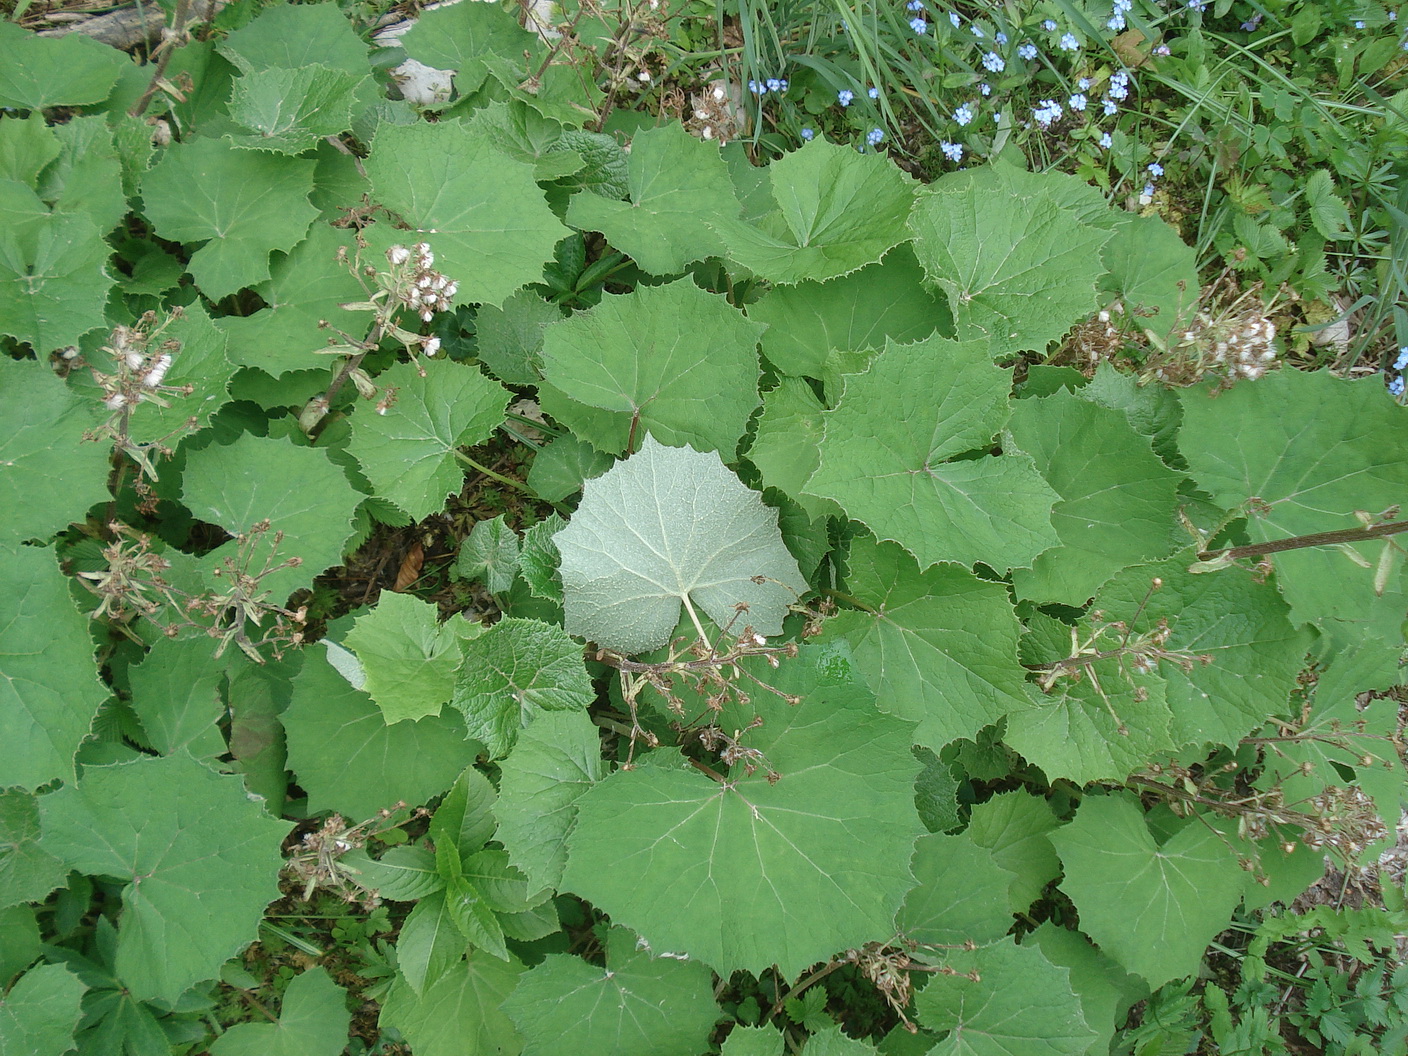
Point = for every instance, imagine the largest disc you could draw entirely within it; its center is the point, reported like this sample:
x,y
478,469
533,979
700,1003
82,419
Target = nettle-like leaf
x,y
952,902
408,657
305,286
938,648
243,204
481,211
639,1005
289,110
38,72
1118,500
678,186
1016,266
41,1011
313,1021
669,526
1257,447
717,868
27,872
50,691
1019,1004
43,443
554,762
672,361
880,302
887,456
349,760
174,831
54,280
1152,906
837,211
409,452
296,489
512,673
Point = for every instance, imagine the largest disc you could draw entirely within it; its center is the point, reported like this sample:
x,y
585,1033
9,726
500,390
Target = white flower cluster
x,y
425,290
1244,348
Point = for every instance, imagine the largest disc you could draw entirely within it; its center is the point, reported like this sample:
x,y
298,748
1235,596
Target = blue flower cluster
x,y
1395,385
772,84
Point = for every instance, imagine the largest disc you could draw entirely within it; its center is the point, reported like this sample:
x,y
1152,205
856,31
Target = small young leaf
x,y
489,553
408,657
512,673
1328,213
430,944
666,526
539,558
464,821
402,874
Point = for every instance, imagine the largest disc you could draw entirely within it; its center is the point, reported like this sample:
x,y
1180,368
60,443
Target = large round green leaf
x,y
807,855
174,832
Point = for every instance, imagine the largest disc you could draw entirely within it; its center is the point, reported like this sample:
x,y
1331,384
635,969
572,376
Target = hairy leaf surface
x,y
665,526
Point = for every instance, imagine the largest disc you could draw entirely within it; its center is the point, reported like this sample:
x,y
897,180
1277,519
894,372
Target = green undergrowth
x,y
474,588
